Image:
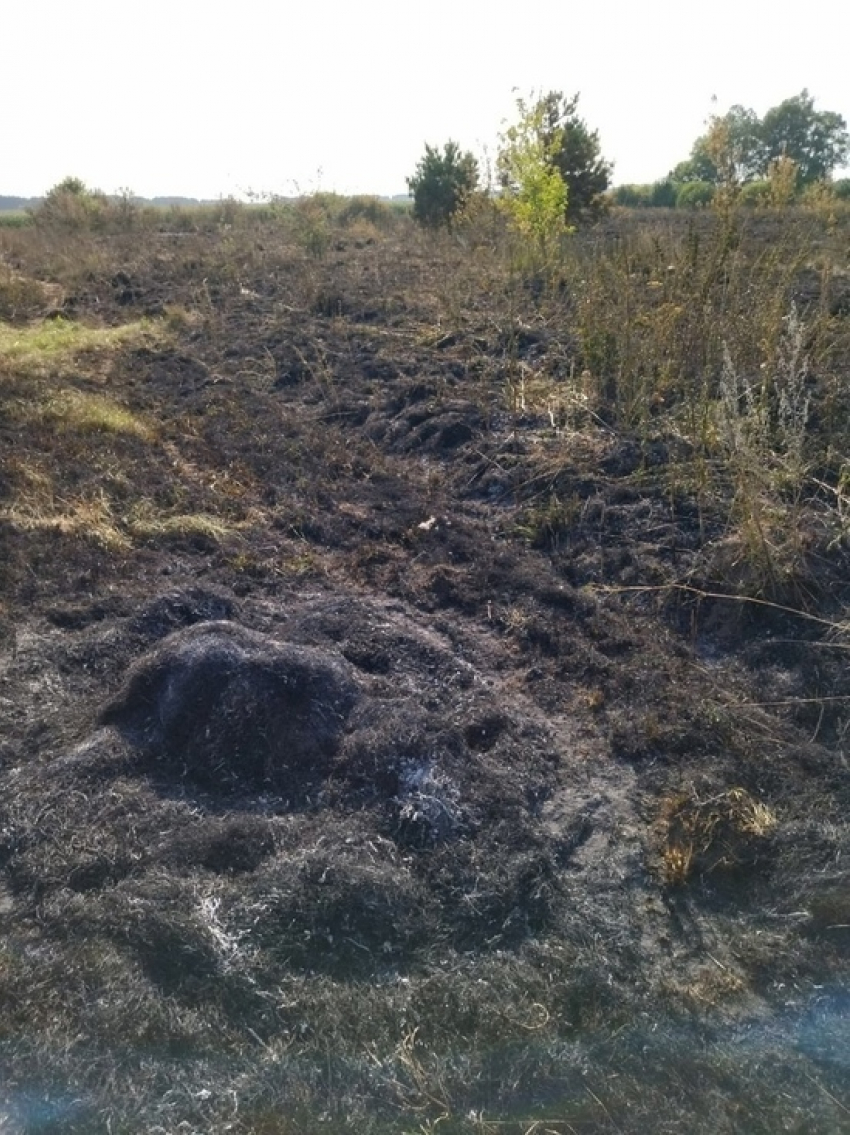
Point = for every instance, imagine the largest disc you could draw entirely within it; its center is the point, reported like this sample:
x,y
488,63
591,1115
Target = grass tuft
x,y
92,413
89,518
191,526
708,834
34,347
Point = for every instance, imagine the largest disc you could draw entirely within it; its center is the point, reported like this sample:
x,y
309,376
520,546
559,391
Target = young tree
x,y
442,184
536,195
566,145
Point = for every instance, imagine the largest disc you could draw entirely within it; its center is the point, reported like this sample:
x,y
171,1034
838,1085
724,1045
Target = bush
x,y
841,188
757,194
72,205
442,184
694,195
630,196
658,195
662,194
362,207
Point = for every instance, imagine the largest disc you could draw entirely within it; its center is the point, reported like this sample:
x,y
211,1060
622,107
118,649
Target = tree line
x,y
550,164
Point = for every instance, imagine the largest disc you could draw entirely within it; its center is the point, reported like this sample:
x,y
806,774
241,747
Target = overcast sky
x,y
207,99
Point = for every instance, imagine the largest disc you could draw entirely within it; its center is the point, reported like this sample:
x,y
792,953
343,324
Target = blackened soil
x,y
452,689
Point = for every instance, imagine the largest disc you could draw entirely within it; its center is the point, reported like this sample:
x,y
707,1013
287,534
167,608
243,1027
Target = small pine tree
x,y
442,184
578,157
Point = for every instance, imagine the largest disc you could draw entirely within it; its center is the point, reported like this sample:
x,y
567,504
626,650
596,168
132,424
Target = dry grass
x,y
89,436
90,519
23,298
147,525
707,834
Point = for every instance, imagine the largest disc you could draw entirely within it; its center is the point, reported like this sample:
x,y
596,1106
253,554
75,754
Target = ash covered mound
x,y
231,709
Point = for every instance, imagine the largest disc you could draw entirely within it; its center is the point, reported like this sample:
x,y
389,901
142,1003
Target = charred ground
x,y
423,684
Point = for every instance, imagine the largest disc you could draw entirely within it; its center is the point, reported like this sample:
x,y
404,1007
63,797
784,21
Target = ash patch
x,y
351,906
231,709
429,807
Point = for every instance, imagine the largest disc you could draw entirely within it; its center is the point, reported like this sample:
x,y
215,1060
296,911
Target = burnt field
x,y
423,675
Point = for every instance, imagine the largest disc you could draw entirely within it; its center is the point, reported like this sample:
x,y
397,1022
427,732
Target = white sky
x,y
204,99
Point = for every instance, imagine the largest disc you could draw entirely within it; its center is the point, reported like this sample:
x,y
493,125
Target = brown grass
x,y
716,833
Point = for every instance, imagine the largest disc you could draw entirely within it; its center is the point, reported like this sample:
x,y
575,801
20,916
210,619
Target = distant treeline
x,y
16,204
671,194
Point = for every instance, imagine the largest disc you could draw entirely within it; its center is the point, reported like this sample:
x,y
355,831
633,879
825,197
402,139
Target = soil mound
x,y
183,607
232,709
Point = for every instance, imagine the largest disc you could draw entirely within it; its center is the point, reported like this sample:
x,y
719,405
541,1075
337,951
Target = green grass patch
x,y
58,340
15,219
92,413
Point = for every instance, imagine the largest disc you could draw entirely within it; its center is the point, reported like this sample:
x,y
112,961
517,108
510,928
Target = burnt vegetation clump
x,y
229,709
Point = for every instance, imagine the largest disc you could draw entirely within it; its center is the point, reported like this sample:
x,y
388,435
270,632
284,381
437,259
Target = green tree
x,y
442,184
577,155
817,141
535,194
734,146
694,169
739,147
730,152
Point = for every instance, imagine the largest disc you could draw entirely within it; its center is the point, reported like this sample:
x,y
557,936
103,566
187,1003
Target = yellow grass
x,y
200,524
34,349
708,831
95,413
90,518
